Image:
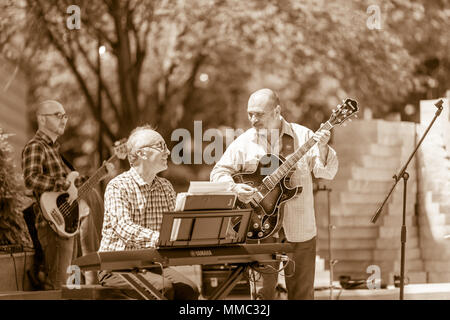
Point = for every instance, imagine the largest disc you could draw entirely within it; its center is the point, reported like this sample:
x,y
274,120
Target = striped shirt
x,y
42,165
134,211
243,155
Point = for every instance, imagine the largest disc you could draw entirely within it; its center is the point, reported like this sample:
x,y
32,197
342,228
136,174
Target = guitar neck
x,y
290,162
94,179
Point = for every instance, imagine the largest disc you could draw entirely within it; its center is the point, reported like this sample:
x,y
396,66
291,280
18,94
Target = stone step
x,y
355,209
353,185
396,243
433,232
441,197
372,197
370,161
444,209
436,277
357,266
367,174
346,244
344,221
395,265
394,232
435,250
435,219
390,254
397,220
350,233
437,265
375,149
376,129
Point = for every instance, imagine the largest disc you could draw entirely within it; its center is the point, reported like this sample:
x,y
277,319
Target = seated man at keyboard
x,y
134,205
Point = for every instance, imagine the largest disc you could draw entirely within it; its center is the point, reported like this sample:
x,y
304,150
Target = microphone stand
x,y
331,227
403,174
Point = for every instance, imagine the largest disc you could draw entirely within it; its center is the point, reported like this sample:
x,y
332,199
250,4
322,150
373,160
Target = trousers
x,y
172,284
57,255
299,272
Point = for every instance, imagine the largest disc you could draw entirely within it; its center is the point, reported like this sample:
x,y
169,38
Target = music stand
x,y
203,228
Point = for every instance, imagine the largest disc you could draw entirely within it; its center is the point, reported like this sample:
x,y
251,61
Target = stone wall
x,y
370,153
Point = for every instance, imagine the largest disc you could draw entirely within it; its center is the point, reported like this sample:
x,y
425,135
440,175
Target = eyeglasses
x,y
58,115
161,147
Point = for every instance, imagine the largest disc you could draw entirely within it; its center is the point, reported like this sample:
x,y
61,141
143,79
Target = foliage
x,y
314,53
13,229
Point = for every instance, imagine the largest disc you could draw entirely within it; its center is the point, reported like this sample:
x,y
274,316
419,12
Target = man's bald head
x,y
264,97
49,107
51,118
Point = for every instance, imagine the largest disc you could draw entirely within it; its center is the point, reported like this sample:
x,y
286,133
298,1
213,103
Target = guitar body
x,y
62,209
266,217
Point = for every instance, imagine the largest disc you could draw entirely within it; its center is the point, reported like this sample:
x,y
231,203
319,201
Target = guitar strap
x,y
287,145
67,163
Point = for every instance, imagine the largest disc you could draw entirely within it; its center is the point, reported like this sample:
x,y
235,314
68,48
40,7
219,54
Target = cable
x,y
162,275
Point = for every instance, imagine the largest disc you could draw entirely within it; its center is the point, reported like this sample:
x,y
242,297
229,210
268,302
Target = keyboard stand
x,y
141,285
136,280
225,288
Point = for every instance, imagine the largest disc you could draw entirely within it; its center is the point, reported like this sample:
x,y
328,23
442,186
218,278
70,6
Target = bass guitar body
x,y
62,209
266,218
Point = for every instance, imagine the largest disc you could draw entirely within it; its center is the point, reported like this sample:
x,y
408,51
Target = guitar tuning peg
x,y
356,116
350,120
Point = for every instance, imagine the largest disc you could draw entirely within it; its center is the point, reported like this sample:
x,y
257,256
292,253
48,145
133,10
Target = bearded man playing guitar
x,y
46,171
271,133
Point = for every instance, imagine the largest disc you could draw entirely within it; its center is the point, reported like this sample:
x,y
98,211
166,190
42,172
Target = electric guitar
x,y
271,179
64,210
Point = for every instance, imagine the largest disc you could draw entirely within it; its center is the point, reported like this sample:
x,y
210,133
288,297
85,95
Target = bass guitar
x,y
64,210
271,180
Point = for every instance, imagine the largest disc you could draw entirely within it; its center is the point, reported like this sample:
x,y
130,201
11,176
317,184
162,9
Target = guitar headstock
x,y
120,148
344,111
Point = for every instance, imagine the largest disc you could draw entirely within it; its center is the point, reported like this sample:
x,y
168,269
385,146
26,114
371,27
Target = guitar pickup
x,y
268,183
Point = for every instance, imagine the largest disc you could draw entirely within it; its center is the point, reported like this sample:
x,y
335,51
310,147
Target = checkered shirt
x,y
134,211
42,166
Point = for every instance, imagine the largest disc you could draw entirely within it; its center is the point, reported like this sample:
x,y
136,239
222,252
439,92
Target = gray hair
x,y
132,141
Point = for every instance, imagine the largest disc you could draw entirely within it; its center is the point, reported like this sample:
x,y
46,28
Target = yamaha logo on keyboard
x,y
201,253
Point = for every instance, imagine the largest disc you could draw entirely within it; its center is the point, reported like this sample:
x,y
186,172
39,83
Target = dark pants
x,y
299,276
58,255
172,284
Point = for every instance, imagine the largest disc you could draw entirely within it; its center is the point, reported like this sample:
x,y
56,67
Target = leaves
x,y
13,229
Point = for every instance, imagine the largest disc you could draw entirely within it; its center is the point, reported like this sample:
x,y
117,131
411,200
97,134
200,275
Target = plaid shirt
x,y
42,165
134,211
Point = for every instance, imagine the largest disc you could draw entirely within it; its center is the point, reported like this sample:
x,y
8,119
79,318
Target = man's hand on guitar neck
x,y
322,137
245,192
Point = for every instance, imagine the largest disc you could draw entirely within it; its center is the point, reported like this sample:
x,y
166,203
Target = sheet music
x,y
209,187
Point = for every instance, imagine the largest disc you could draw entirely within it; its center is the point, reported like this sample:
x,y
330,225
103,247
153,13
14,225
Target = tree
x,y
314,53
13,230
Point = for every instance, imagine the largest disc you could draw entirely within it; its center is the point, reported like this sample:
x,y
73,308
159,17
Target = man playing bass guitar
x,y
271,133
46,170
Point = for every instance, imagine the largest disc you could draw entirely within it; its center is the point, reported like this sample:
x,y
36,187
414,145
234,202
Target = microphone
x,y
439,106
